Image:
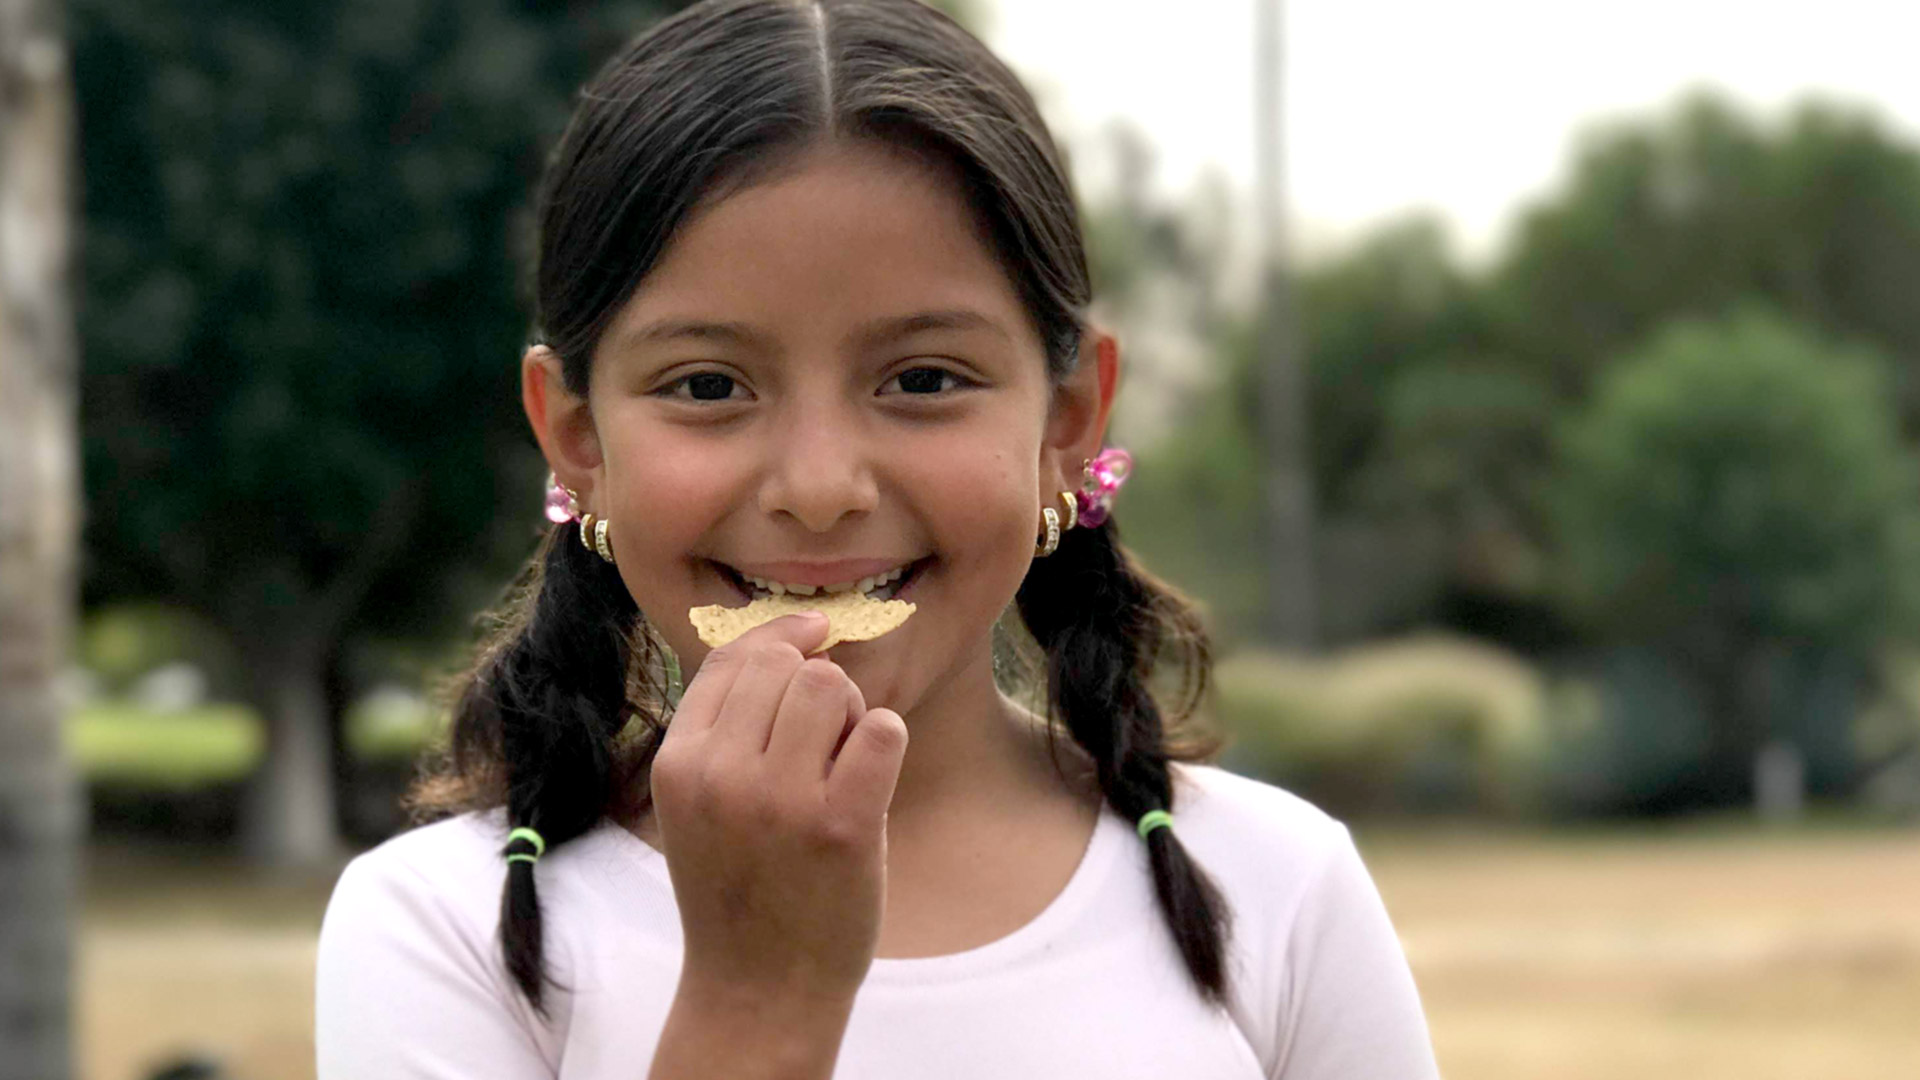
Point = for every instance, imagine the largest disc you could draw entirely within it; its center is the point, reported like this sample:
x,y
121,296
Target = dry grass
x,y
1700,954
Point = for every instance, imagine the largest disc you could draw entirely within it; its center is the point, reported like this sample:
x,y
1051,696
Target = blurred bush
x,y
1632,731
178,774
124,744
120,644
1431,724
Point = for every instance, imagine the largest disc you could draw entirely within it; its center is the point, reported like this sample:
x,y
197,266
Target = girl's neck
x,y
971,750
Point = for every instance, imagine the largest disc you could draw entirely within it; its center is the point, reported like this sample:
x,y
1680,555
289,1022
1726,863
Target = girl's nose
x,y
820,472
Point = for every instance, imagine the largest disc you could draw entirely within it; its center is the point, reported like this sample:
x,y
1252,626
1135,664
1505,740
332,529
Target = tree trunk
x,y
338,687
41,810
1779,768
1779,782
289,817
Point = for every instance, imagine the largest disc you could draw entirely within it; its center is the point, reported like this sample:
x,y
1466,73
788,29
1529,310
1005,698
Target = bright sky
x,y
1468,106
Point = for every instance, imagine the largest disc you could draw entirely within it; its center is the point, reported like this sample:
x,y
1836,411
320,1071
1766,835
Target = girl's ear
x,y
561,422
1077,421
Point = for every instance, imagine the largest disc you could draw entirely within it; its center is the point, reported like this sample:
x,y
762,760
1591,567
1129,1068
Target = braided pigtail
x,y
1105,624
547,702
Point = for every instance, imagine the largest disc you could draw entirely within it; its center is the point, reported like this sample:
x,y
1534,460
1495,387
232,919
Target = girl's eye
x,y
927,380
701,386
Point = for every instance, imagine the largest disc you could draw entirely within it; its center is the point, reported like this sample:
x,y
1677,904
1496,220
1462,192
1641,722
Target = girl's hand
x,y
774,828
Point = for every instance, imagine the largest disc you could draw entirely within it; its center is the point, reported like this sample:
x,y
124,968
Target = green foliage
x,y
1412,726
122,642
1739,478
302,309
1736,498
1192,507
1388,310
383,728
1688,214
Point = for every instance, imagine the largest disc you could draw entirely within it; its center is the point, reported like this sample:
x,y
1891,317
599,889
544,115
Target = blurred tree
x,y
1192,509
1701,208
1434,393
1159,272
41,824
1682,215
302,314
1393,308
1737,496
1391,331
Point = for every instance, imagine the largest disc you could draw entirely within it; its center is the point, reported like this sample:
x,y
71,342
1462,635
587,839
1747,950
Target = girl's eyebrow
x,y
867,335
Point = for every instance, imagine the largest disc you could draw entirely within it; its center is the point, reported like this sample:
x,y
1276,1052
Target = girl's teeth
x,y
864,585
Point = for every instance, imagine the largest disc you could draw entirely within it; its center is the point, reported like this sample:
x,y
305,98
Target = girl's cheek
x,y
991,471
678,484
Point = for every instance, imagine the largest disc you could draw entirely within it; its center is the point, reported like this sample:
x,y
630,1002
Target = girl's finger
x,y
821,703
701,702
863,777
747,715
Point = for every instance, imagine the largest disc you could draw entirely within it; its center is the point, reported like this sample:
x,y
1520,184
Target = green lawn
x,y
124,743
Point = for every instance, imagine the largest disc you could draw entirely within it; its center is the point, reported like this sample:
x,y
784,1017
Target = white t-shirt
x,y
411,984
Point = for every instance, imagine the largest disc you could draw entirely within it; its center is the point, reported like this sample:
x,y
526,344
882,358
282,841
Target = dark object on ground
x,y
191,1067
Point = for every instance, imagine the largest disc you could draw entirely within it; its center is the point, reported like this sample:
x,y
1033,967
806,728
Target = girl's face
x,y
827,377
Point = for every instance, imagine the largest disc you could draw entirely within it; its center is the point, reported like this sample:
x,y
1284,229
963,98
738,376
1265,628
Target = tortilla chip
x,y
851,616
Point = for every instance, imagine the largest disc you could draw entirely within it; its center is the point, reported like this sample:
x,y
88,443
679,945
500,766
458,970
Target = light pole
x,y
1291,610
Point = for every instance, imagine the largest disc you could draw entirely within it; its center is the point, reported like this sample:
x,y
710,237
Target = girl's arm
x,y
1352,1008
714,1029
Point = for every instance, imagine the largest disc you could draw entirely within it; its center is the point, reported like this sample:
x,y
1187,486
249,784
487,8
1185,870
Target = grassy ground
x,y
117,741
1698,953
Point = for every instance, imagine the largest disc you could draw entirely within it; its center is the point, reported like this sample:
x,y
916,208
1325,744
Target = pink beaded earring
x,y
1101,481
1102,477
563,504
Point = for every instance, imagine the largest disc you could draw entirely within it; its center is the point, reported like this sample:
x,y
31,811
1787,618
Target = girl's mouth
x,y
888,585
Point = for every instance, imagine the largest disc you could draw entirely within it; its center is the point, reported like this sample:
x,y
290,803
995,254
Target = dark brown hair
x,y
561,715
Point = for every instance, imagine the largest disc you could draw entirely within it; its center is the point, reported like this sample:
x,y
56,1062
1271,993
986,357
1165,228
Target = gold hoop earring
x,y
600,540
1073,510
1051,521
586,531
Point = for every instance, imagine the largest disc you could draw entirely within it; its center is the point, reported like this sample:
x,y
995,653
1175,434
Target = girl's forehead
x,y
844,234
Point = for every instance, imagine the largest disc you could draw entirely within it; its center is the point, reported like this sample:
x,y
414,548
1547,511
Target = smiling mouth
x,y
884,586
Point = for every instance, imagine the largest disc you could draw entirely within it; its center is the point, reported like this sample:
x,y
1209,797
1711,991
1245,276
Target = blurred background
x,y
1530,393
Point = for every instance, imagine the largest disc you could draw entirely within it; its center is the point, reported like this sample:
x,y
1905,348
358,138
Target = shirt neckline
x,y
1091,872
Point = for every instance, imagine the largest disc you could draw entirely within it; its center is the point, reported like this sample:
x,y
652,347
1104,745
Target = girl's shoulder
x,y
454,869
408,947
1262,837
452,851
448,873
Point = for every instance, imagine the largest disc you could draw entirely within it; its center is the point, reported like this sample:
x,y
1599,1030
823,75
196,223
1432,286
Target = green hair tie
x,y
524,833
1154,819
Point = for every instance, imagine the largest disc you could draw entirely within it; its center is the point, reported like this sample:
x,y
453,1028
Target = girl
x,y
813,311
